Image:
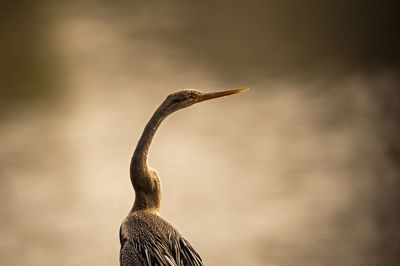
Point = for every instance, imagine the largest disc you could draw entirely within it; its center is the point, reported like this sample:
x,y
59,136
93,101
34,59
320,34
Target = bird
x,y
145,237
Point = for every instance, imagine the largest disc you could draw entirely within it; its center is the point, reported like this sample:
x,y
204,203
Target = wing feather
x,y
147,242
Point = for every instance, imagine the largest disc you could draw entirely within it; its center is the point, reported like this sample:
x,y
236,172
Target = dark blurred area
x,y
27,67
324,79
233,40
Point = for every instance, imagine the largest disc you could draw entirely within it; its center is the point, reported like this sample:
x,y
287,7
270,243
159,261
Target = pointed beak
x,y
213,95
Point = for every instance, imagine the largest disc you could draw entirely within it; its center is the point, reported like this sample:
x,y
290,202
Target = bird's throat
x,y
145,181
139,158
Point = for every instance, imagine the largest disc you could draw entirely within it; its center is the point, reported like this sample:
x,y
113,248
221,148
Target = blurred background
x,y
303,169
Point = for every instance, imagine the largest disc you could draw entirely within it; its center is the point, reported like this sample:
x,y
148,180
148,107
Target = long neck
x,y
145,181
139,158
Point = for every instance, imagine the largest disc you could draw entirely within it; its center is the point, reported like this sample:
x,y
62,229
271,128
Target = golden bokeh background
x,y
303,169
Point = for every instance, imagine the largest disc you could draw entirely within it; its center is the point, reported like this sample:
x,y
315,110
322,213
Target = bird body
x,y
154,241
146,238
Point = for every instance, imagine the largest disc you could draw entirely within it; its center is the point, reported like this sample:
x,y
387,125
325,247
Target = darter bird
x,y
146,238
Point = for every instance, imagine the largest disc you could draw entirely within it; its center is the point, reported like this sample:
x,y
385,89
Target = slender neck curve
x,y
139,158
145,181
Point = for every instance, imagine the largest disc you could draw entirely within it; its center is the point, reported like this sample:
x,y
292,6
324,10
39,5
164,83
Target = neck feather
x,y
139,159
145,181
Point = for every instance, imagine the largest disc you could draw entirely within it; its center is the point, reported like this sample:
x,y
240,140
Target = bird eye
x,y
194,94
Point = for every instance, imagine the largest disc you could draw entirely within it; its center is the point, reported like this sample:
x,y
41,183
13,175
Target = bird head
x,y
185,98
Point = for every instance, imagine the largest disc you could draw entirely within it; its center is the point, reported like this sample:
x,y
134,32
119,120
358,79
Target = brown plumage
x,y
146,238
